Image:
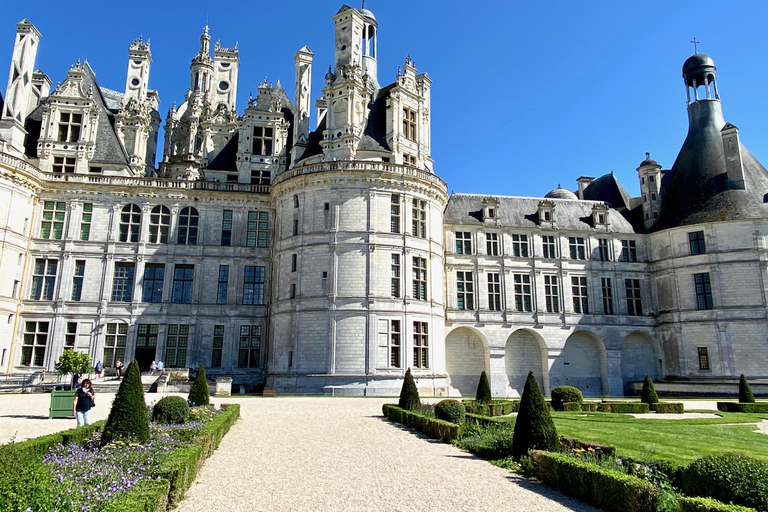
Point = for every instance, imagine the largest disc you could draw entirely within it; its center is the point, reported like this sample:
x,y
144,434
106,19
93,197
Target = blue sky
x,y
525,94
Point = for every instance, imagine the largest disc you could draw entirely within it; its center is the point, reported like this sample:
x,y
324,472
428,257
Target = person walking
x,y
152,368
84,400
119,368
161,367
99,368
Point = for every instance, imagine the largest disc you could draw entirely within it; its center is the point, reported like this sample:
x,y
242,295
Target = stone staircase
x,y
111,384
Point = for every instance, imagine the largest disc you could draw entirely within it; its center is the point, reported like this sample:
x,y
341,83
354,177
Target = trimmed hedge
x,y
438,429
729,477
494,408
709,505
563,394
39,447
450,410
623,407
178,471
609,490
759,407
483,421
667,408
570,406
602,450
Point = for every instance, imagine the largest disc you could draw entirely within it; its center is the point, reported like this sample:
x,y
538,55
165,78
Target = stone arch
x,y
525,351
582,364
640,356
466,357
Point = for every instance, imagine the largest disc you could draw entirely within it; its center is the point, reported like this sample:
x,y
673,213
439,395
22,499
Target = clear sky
x,y
525,94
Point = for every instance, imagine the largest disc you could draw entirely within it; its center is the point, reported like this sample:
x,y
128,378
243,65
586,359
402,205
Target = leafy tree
x,y
198,393
128,416
409,395
72,362
648,395
534,428
483,394
745,392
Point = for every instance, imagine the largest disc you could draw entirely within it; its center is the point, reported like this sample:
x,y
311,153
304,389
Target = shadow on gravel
x,y
414,433
25,416
549,493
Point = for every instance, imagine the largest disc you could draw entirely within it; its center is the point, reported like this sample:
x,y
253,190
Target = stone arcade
x,y
330,261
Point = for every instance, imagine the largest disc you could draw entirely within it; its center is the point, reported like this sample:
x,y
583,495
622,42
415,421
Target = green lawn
x,y
677,441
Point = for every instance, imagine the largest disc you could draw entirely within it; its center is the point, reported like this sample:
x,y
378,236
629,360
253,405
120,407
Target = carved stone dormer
x,y
547,214
491,210
600,216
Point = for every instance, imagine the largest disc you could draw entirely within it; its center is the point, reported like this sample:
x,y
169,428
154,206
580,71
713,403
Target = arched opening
x,y
466,357
582,364
525,351
640,356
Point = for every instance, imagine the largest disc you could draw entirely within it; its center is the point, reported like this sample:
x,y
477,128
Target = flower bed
x,y
77,473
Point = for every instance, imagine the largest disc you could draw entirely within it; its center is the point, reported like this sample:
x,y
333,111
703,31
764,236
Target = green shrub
x,y
601,450
604,488
409,395
127,418
571,406
483,421
483,394
562,394
492,442
623,407
648,395
534,428
667,408
432,427
589,406
745,392
450,410
729,478
709,505
171,409
24,482
759,407
198,393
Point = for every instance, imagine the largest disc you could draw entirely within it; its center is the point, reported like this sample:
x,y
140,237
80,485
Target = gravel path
x,y
329,454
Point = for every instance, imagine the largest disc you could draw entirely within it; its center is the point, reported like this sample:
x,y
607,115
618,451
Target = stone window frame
x,y
704,362
189,225
223,285
159,224
70,126
44,279
85,221
465,290
394,213
253,285
634,297
217,350
549,247
54,218
34,343
130,223
410,126
115,339
390,344
264,136
226,228
492,247
521,245
123,278
150,291
494,291
419,218
603,249
421,345
70,335
64,164
606,289
176,345
551,293
396,272
257,229
523,292
249,346
703,287
577,247
697,243
463,242
77,280
183,283
628,251
580,294
419,274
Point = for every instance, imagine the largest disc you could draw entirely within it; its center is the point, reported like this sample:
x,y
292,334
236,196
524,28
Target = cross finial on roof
x,y
695,47
363,7
647,155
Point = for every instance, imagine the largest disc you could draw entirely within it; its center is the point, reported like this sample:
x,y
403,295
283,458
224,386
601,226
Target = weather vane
x,y
695,43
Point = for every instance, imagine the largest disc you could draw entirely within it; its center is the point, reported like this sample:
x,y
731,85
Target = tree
x,y
745,392
128,416
409,395
483,394
534,428
72,362
198,393
648,395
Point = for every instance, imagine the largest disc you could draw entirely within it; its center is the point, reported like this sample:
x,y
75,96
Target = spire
x,y
205,42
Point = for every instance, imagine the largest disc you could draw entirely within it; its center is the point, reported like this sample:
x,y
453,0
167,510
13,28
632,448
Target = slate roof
x,y
226,160
112,99
522,212
608,189
697,188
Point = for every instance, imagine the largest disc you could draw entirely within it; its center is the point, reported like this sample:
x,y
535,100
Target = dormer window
x,y
69,127
409,124
64,165
491,213
263,139
490,209
600,215
547,214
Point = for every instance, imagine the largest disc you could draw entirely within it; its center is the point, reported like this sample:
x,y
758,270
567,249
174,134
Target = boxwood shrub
x,y
759,407
730,478
623,407
667,408
438,429
604,488
709,505
483,421
450,410
171,409
563,394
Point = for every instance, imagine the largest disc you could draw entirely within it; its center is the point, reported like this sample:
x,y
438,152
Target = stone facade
x,y
330,261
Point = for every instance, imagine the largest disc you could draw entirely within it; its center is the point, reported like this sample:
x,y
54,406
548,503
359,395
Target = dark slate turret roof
x,y
697,189
608,189
522,212
226,160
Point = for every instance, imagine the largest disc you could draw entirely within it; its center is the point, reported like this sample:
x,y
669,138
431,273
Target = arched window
x,y
130,223
159,222
188,222
295,201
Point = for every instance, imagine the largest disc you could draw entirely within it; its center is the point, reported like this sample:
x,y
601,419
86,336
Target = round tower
x,y
649,173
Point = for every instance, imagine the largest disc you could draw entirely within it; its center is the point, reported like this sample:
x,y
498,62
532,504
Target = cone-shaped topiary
x,y
128,416
745,392
534,429
198,393
409,395
648,395
483,394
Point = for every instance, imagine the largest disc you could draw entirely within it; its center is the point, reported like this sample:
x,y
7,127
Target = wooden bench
x,y
268,392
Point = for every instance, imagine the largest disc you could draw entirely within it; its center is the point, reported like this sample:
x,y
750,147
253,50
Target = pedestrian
x,y
119,368
161,366
75,380
42,377
99,368
81,405
152,368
